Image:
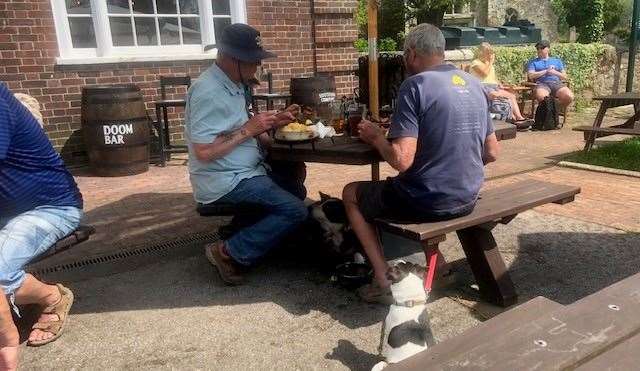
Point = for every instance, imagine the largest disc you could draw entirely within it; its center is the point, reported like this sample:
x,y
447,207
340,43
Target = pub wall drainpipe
x,y
313,37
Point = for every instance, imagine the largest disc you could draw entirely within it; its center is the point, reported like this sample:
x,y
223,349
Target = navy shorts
x,y
380,200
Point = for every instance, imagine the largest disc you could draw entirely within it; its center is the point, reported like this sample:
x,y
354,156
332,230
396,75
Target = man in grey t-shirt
x,y
441,136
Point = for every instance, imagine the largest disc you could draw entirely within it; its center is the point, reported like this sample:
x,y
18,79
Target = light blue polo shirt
x,y
216,105
538,64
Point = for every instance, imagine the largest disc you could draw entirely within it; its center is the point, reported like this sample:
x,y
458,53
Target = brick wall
x,y
28,49
286,29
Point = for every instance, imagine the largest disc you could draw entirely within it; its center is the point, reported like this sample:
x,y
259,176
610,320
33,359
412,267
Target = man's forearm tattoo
x,y
231,135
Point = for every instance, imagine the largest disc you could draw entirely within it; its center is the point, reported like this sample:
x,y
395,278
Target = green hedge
x,y
581,61
385,45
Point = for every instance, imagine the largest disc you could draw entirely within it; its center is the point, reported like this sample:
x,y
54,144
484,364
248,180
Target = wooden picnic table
x,y
352,151
611,101
598,332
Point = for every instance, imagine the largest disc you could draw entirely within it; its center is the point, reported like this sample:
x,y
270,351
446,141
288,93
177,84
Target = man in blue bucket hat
x,y
227,154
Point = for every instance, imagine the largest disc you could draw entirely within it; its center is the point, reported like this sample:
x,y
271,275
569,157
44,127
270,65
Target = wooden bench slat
x,y
493,205
496,326
621,357
485,201
608,130
562,339
504,130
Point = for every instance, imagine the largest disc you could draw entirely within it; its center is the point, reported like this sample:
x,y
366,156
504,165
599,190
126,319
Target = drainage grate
x,y
176,247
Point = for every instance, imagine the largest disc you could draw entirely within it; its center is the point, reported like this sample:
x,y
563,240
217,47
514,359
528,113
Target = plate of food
x,y
295,132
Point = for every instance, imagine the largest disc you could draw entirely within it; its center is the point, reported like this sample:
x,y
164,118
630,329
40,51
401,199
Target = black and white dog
x,y
406,329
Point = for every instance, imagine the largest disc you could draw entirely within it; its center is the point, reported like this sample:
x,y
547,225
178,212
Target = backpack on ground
x,y
546,117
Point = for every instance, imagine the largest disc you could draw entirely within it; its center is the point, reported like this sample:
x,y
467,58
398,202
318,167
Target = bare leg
x,y
565,96
513,101
9,338
540,94
515,109
366,234
33,291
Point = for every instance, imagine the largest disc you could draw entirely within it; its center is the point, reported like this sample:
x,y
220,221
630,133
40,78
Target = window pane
x,y
82,33
146,31
78,6
191,31
166,6
169,34
121,32
143,7
219,24
221,7
118,6
188,6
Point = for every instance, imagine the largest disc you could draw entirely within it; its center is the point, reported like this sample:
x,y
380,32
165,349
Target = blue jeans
x,y
283,212
25,236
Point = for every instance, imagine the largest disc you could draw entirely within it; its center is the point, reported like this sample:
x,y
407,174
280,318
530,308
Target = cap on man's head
x,y
241,42
543,44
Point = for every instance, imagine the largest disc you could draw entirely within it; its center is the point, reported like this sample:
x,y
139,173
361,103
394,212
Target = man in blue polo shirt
x,y
549,74
227,155
440,137
39,204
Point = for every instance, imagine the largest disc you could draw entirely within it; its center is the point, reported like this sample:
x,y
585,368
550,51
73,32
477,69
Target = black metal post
x,y
635,29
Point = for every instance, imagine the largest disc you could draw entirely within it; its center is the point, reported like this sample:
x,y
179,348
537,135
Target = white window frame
x,y
105,52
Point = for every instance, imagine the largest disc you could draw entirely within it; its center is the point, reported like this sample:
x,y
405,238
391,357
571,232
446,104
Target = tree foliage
x,y
384,45
395,13
587,16
431,11
613,13
391,20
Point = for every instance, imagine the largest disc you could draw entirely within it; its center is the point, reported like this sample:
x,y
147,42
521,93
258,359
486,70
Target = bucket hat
x,y
242,42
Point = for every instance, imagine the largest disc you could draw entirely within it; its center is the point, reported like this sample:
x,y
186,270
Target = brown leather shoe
x,y
226,266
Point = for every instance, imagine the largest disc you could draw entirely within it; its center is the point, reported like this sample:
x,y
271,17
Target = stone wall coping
x,y
449,55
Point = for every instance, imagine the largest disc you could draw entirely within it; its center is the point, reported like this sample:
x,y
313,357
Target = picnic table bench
x,y
611,101
598,332
496,205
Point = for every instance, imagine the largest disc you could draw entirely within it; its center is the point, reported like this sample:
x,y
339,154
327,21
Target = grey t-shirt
x,y
446,110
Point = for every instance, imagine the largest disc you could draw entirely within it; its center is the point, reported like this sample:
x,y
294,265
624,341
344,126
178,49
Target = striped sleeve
x,y
6,123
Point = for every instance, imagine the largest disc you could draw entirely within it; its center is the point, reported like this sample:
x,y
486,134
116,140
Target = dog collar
x,y
410,303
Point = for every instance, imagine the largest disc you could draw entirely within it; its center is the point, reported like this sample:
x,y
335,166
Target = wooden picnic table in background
x,y
611,101
352,151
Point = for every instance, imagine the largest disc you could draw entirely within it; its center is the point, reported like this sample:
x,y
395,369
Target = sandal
x,y
373,293
60,309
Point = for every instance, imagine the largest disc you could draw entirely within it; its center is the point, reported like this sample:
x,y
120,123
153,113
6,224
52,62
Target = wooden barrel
x,y
316,92
115,126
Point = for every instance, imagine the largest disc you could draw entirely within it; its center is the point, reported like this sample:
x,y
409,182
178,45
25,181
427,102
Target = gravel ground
x,y
176,314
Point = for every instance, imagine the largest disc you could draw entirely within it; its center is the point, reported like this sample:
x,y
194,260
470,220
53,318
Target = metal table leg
x,y
160,135
375,171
